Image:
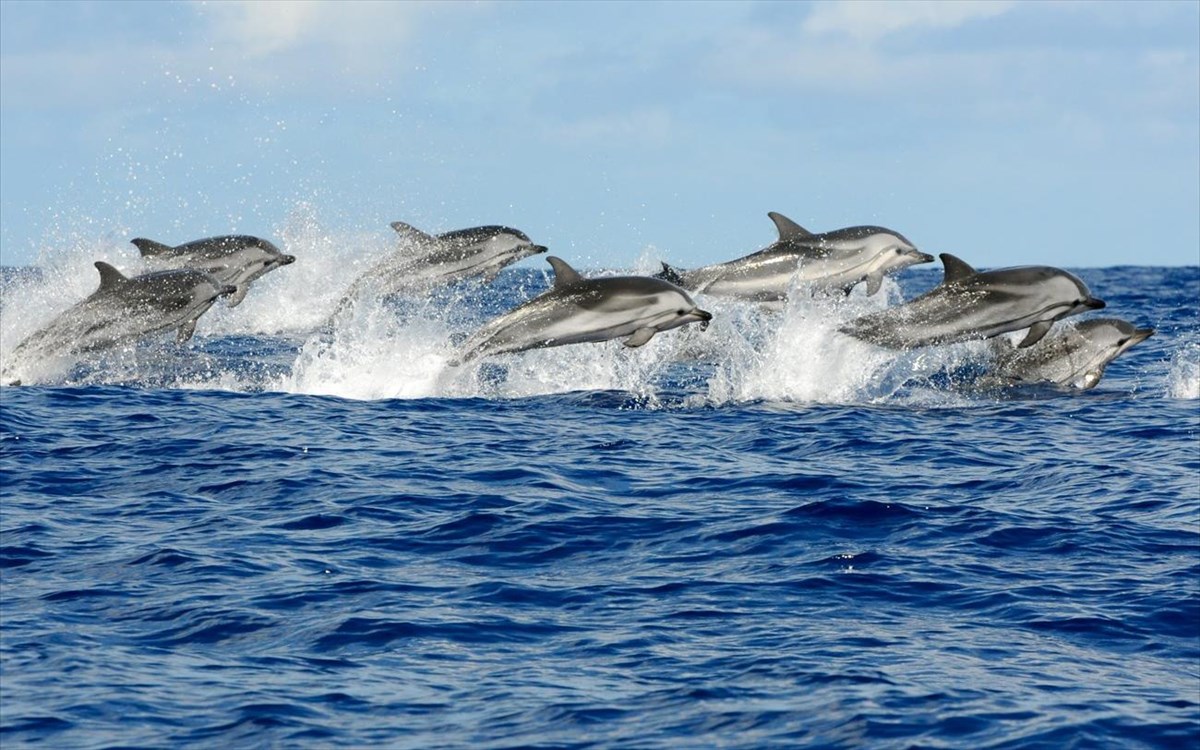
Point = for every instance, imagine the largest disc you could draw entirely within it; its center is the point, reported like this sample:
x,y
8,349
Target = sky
x,y
1007,133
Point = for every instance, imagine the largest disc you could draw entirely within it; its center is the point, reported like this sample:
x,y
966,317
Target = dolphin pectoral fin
x,y
236,298
185,332
640,337
874,281
150,248
1036,332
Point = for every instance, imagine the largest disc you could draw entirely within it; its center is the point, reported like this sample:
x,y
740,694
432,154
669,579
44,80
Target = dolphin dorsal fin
x,y
788,229
669,274
411,233
956,268
109,276
149,247
564,275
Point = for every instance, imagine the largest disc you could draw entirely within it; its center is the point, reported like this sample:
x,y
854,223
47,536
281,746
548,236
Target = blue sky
x,y
1008,133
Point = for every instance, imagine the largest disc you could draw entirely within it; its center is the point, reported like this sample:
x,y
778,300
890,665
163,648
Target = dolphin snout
x,y
922,257
703,317
536,249
286,259
1141,335
225,290
1094,304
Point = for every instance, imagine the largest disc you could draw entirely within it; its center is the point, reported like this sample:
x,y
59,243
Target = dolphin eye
x,y
681,311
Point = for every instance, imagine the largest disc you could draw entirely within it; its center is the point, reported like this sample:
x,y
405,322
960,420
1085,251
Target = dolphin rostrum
x,y
235,259
971,304
425,261
579,310
125,309
1075,357
829,260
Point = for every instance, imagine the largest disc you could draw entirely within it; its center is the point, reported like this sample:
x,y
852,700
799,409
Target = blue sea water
x,y
762,535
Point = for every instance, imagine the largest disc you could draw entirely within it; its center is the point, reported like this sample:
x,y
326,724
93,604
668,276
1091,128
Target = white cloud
x,y
315,42
263,28
871,20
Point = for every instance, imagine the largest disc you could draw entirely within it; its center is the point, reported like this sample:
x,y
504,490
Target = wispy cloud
x,y
362,35
642,126
871,20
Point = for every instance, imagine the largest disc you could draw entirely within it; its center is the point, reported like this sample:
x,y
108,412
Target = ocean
x,y
765,534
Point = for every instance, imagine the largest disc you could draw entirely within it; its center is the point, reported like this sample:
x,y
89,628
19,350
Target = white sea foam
x,y
1183,376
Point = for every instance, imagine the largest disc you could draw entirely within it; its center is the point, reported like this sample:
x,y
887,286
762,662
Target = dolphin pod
x,y
968,304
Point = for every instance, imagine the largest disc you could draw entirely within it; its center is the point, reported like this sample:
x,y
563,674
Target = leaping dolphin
x,y
236,259
425,261
125,309
971,304
830,260
1074,358
579,310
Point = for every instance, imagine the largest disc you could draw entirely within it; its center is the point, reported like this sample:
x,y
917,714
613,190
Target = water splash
x,y
1183,376
284,338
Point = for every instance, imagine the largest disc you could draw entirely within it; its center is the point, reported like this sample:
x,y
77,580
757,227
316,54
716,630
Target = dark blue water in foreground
x,y
207,568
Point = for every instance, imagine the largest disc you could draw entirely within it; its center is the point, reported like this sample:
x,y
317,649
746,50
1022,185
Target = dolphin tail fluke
x,y
1036,332
150,248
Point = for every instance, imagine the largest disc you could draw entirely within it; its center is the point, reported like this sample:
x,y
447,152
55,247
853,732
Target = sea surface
x,y
294,534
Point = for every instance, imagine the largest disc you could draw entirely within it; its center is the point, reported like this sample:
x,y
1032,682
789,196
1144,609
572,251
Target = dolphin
x,y
125,309
971,304
830,260
478,252
578,310
1075,357
235,259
